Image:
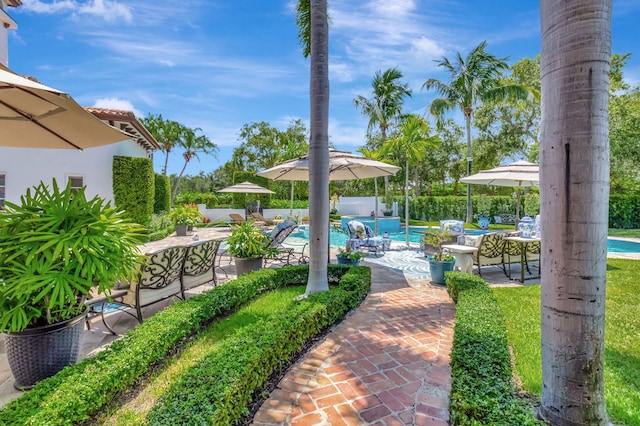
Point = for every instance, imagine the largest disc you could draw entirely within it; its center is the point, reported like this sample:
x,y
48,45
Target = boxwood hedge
x,y
482,390
81,390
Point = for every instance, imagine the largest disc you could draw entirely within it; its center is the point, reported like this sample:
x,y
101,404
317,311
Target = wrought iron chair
x,y
199,265
276,239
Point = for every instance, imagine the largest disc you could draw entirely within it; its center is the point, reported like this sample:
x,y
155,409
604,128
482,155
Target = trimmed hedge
x,y
81,390
452,207
162,197
482,391
134,187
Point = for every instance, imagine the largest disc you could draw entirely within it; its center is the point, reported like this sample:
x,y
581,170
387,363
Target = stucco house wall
x,y
26,167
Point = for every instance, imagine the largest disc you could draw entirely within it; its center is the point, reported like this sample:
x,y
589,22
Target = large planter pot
x,y
347,261
438,269
244,265
181,230
40,352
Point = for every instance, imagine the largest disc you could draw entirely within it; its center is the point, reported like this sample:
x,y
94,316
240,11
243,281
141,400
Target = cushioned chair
x,y
158,279
276,240
492,250
455,227
362,236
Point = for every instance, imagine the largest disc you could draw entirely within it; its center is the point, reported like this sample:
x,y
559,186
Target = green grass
x,y
135,411
521,306
629,233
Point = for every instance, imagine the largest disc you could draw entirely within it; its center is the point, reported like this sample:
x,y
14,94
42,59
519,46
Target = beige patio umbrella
x,y
519,174
33,115
246,188
343,165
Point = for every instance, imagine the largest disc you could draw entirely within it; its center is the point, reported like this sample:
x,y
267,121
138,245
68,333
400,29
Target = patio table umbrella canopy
x,y
33,115
246,188
342,166
519,174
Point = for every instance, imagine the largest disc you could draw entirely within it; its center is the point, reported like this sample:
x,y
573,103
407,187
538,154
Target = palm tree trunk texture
x,y
574,188
319,150
406,201
467,116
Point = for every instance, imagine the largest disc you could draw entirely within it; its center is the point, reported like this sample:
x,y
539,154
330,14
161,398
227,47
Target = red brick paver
x,y
386,364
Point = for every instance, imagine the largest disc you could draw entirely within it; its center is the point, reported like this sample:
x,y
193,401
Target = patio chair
x,y
237,218
157,280
259,218
276,240
200,265
362,236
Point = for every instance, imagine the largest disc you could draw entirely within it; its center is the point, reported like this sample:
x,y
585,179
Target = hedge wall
x,y
133,187
162,200
452,207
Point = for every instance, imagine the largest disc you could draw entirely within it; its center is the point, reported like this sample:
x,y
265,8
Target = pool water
x,y
339,238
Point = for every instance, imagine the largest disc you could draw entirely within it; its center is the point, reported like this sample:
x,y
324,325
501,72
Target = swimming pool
x,y
339,238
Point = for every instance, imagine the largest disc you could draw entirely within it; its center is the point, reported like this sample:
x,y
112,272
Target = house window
x,y
2,190
77,182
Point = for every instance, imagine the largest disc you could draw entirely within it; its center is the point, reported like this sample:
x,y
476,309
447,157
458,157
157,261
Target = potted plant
x,y
349,257
249,246
183,217
56,248
441,261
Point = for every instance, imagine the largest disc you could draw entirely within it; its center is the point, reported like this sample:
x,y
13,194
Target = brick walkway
x,y
386,364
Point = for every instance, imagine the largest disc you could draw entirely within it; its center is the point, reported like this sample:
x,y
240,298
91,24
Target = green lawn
x,y
521,306
629,233
134,412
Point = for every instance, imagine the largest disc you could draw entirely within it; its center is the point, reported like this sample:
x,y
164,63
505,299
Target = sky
x,y
220,64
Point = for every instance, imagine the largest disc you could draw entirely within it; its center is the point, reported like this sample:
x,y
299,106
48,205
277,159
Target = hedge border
x,y
81,390
482,390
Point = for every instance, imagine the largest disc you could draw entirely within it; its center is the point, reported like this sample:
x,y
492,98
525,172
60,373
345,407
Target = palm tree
x,y
314,36
192,145
411,145
472,80
576,48
166,132
384,107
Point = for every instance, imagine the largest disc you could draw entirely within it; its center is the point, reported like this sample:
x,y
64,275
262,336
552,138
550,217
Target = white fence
x,y
352,206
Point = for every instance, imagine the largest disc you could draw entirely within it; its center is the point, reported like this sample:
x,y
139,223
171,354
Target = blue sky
x,y
220,64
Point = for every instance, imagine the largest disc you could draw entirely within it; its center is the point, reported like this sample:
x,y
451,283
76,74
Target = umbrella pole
x,y
517,207
291,203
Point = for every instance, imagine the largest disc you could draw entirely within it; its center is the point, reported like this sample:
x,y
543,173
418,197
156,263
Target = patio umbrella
x,y
246,188
33,115
519,174
343,165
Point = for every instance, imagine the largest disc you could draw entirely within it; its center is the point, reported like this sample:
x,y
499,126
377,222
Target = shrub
x,y
482,391
81,390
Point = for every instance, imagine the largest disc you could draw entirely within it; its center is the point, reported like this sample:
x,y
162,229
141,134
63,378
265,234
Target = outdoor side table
x,y
463,256
523,250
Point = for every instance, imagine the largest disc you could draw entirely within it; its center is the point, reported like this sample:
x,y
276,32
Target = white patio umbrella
x,y
33,115
343,165
519,174
246,188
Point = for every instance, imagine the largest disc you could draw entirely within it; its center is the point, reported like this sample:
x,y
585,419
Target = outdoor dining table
x,y
522,241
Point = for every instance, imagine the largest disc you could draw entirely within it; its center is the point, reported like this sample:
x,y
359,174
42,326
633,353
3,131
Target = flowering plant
x,y
436,239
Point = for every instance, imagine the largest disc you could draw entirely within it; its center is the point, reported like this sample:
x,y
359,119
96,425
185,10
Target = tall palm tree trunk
x,y
375,217
574,188
467,117
319,151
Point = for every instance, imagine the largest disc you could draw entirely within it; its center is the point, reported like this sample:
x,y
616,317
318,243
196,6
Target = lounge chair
x,y
259,218
238,219
362,236
276,240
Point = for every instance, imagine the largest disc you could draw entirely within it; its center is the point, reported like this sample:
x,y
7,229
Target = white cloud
x,y
119,104
109,10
